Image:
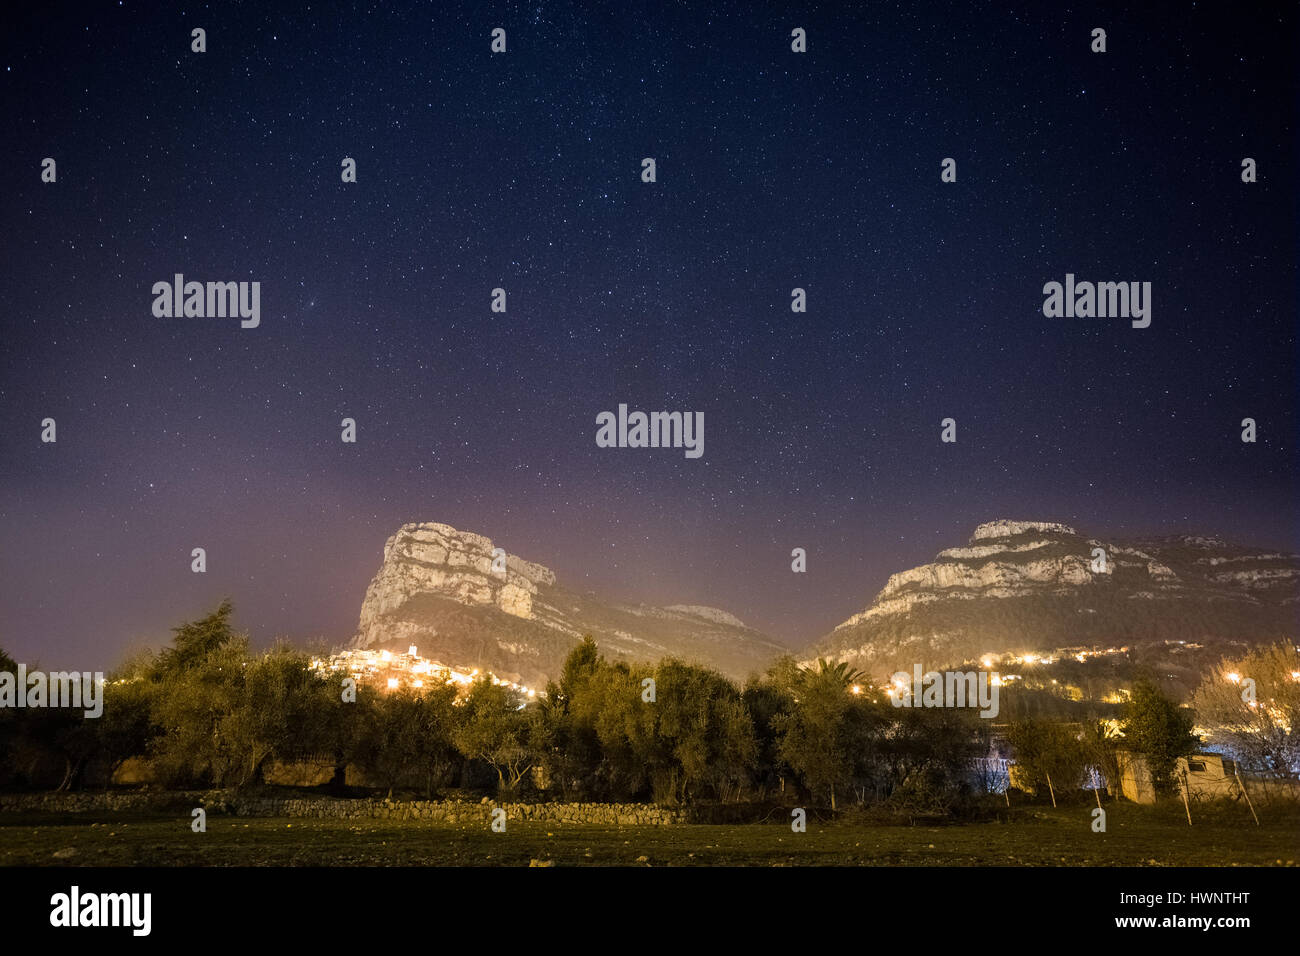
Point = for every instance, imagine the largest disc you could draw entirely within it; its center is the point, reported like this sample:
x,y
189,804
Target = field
x,y
1137,836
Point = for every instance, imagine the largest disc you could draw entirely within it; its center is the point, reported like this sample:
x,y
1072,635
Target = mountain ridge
x,y
1014,585
458,596
1032,585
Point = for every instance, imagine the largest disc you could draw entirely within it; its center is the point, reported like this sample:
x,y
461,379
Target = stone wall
x,y
138,801
457,811
433,811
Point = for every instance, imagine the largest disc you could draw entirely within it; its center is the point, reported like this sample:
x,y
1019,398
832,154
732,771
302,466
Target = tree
x,y
191,702
1048,752
565,741
635,758
437,727
813,734
125,729
1258,722
765,699
1157,728
391,737
583,661
921,758
275,714
408,736
8,725
52,743
566,750
1100,740
708,734
196,641
493,730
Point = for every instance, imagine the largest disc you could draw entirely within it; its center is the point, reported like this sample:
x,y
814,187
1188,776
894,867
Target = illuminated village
x,y
389,671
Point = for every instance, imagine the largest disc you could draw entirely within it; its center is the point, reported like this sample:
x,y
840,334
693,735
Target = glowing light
x,y
1234,677
385,668
857,689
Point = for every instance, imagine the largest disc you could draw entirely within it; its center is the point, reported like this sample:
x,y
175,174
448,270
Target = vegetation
x,y
1156,728
1252,705
209,712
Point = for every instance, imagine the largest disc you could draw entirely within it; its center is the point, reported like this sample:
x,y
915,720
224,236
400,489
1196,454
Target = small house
x,y
1207,776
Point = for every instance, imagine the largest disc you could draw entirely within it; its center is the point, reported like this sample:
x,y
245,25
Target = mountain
x,y
1015,587
439,590
1036,586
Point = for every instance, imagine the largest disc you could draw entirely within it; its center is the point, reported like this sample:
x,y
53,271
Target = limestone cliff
x,y
1032,585
446,591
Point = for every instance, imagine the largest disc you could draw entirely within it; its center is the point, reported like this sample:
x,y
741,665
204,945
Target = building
x,y
1201,776
1135,781
1207,776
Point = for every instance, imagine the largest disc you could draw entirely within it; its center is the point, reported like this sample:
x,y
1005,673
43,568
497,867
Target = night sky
x,y
522,170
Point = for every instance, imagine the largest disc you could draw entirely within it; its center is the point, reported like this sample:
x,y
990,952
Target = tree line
x,y
207,711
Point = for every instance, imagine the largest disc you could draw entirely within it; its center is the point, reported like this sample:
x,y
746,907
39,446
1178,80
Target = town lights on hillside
x,y
387,670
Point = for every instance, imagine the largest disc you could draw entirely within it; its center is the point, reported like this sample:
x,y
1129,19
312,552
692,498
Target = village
x,y
386,670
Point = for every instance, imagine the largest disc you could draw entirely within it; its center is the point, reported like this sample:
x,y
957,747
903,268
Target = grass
x,y
1136,836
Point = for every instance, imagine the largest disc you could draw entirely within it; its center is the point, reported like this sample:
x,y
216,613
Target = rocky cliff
x,y
465,603
1029,585
1015,586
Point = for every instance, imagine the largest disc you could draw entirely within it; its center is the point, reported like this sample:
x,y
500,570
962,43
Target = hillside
x,y
1031,586
437,588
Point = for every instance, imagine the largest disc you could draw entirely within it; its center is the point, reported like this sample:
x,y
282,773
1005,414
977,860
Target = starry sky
x,y
522,170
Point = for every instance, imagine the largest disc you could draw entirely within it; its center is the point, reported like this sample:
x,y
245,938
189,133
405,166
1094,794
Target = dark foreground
x,y
1136,836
